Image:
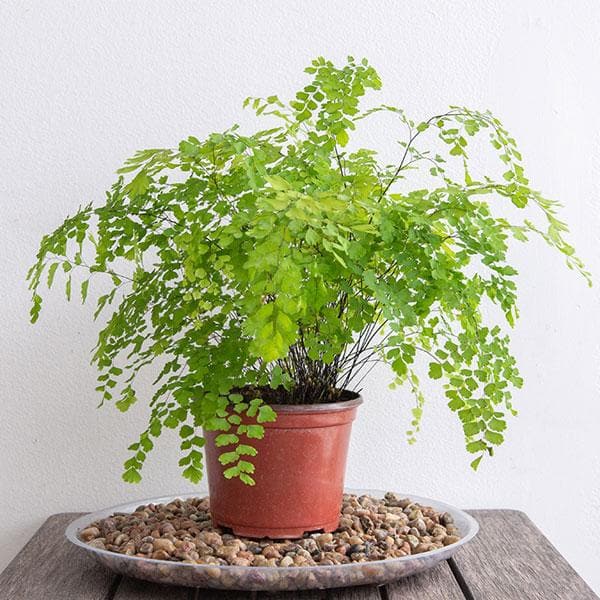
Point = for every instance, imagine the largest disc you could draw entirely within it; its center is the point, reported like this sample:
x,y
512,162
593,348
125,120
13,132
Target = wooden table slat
x,y
511,559
363,592
134,589
204,594
354,593
436,584
49,567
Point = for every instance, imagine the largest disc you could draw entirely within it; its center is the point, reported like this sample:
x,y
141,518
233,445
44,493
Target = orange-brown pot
x,y
299,475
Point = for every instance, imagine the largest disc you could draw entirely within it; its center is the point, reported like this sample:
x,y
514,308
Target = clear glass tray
x,y
272,578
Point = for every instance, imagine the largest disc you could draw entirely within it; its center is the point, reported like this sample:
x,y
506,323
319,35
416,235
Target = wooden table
x,y
509,559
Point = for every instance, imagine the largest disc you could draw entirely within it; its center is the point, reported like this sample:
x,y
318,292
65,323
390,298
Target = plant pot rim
x,y
327,407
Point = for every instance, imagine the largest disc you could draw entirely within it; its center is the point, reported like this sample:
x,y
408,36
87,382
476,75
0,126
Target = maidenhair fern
x,y
279,266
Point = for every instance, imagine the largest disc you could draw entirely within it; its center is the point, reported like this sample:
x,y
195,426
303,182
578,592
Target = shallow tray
x,y
228,577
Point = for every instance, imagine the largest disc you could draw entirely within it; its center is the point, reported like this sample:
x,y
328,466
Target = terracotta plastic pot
x,y
299,475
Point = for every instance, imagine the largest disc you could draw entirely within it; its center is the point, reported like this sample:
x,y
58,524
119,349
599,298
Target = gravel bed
x,y
370,529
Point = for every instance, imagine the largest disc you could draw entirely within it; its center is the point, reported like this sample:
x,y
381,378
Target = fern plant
x,y
280,266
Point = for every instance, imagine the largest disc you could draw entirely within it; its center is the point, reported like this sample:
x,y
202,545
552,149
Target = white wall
x,y
85,84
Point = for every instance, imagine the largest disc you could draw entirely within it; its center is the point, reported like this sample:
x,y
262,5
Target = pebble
x,y
254,548
446,519
146,548
310,545
260,560
271,552
419,525
168,546
189,546
227,552
451,539
392,519
89,534
343,549
370,529
212,538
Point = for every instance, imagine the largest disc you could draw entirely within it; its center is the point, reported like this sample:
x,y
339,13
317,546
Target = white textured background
x,y
85,84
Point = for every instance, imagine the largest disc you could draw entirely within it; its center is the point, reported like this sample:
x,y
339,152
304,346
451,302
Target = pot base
x,y
276,533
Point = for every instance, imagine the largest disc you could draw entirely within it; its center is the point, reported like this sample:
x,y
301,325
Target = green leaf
x,y
342,137
243,449
400,367
226,439
132,476
34,312
475,463
193,474
247,479
188,148
245,467
127,400
266,414
472,428
171,421
477,446
84,290
51,273
303,116
217,424
198,441
231,472
255,432
186,431
228,457
139,184
494,437
435,370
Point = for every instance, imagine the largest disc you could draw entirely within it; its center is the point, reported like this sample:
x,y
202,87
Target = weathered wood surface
x,y
50,567
439,584
134,589
494,566
510,558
